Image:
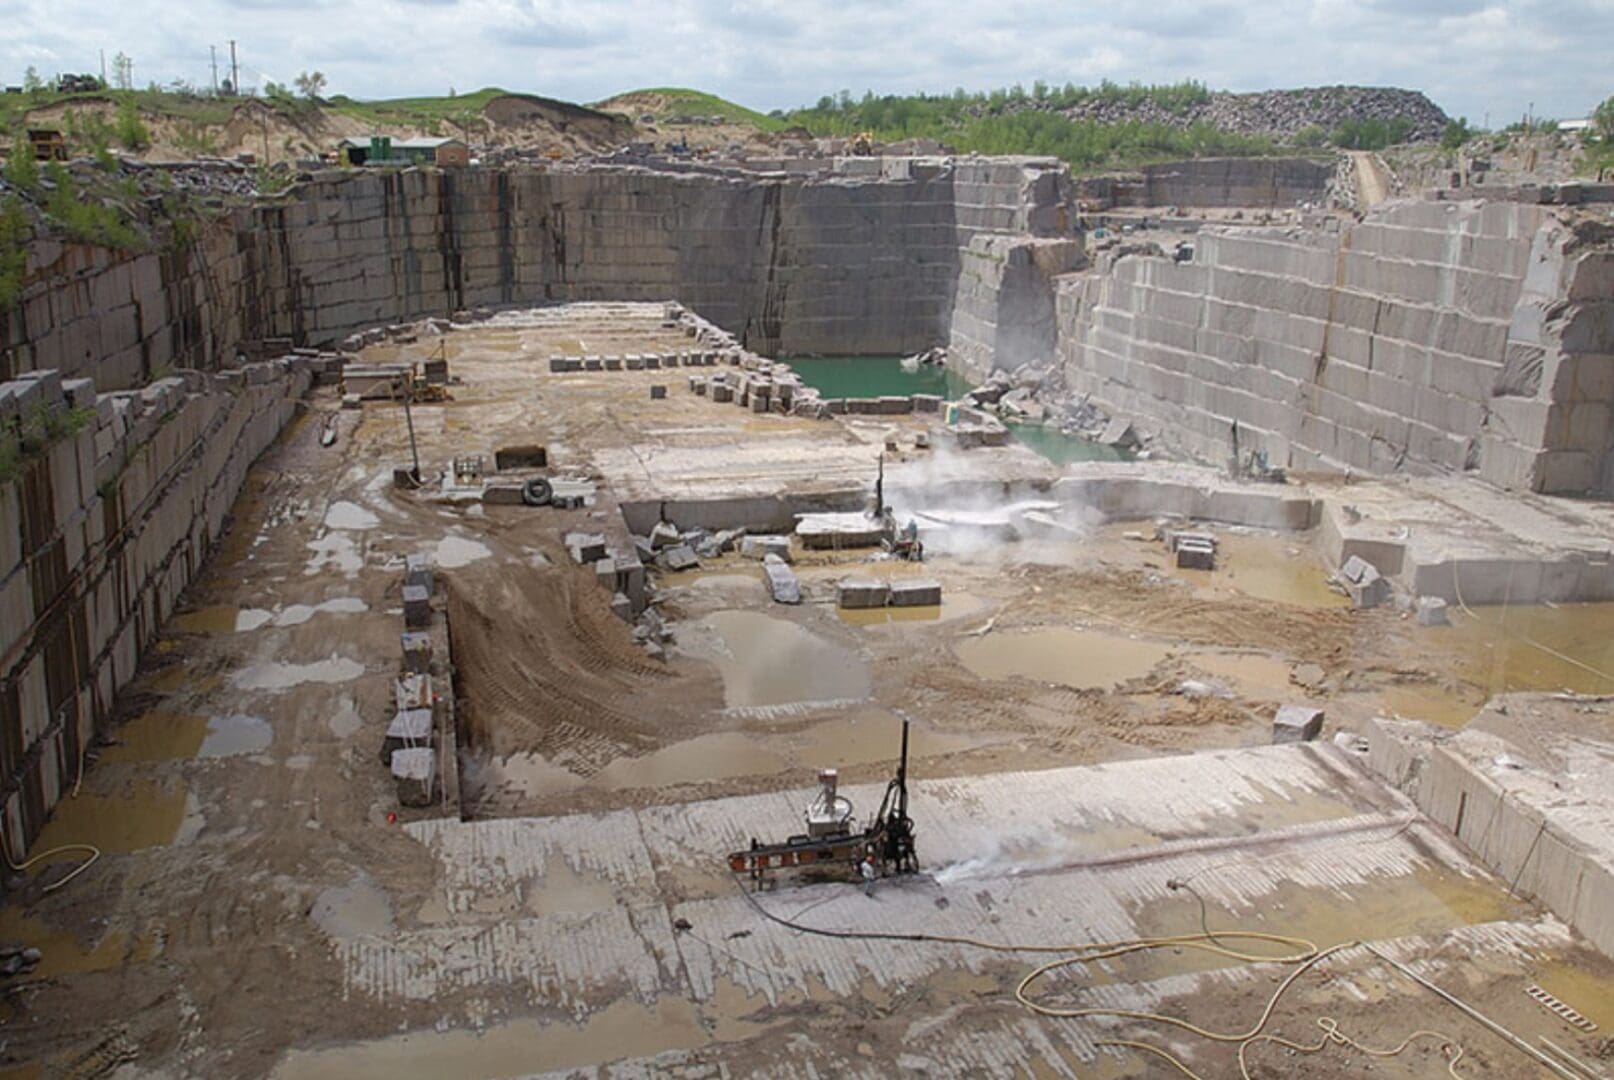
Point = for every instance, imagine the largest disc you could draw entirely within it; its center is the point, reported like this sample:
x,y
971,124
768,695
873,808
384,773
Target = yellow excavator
x,y
862,144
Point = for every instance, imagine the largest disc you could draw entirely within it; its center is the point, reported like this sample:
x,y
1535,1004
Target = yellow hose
x,y
1304,953
95,852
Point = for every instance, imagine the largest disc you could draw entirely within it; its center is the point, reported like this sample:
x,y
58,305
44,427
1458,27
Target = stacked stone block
x,y
100,532
1411,341
1273,183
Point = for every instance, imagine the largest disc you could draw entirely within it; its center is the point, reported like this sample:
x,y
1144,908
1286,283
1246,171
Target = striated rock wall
x,y
1430,336
861,260
100,531
1015,234
1273,183
119,317
1004,308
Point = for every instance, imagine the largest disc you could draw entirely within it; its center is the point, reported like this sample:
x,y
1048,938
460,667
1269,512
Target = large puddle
x,y
624,1029
144,815
1500,650
838,743
770,662
165,736
1431,901
222,619
1276,568
277,675
66,954
1082,659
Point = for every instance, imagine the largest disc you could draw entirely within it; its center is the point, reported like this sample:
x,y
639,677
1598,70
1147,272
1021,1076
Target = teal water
x,y
876,376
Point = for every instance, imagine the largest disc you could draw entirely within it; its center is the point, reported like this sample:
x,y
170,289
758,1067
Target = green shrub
x,y
1370,134
131,131
1456,134
983,123
87,219
1603,120
14,235
1310,137
22,171
195,138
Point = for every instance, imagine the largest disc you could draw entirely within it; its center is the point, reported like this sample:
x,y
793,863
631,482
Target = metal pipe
x,y
1475,1014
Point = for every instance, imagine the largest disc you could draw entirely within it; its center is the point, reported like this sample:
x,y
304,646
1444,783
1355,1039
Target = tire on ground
x,y
537,492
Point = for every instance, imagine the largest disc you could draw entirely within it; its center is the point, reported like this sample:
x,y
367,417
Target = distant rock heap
x,y
1279,114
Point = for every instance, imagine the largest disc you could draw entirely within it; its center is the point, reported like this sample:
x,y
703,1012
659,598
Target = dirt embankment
x,y
272,133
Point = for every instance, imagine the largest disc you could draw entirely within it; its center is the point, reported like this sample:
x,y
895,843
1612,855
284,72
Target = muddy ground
x,y
246,821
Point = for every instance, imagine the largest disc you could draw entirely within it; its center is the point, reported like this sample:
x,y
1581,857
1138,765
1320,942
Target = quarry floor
x,y
1089,723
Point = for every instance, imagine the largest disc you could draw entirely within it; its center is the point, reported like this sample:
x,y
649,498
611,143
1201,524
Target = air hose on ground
x,y
1305,955
95,852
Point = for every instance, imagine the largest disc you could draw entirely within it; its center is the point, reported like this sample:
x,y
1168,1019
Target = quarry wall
x,y
1273,183
861,260
100,531
1430,336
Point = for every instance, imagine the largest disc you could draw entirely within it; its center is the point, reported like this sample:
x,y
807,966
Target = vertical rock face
x,y
1274,183
1431,336
1015,236
100,532
861,260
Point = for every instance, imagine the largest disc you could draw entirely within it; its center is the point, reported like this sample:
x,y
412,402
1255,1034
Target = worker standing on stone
x,y
866,868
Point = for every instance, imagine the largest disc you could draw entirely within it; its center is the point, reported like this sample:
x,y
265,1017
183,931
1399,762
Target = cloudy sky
x,y
1477,58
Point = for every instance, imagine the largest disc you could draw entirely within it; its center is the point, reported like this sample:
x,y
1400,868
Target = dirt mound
x,y
516,117
637,103
253,126
545,667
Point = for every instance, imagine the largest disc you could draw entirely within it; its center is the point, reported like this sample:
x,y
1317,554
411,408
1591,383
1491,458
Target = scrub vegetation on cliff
x,y
1113,125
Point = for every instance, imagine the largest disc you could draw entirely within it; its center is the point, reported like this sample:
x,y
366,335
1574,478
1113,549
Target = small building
x,y
385,150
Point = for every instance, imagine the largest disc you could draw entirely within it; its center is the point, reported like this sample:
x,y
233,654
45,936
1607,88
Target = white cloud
x,y
1473,57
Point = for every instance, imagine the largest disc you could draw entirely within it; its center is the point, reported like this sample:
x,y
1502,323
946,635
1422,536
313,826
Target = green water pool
x,y
876,376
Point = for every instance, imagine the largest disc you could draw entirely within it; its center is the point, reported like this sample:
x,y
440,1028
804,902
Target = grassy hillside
x,y
187,108
425,113
677,101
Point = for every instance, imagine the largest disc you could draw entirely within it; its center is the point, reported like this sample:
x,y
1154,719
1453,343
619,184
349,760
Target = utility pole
x,y
213,55
103,69
235,71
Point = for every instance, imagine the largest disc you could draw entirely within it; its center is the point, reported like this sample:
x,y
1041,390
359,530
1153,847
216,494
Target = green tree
x,y
22,171
310,84
31,82
1310,137
13,250
1456,134
1603,119
131,131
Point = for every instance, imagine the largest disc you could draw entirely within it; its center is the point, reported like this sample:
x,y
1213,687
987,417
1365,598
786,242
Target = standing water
x,y
877,376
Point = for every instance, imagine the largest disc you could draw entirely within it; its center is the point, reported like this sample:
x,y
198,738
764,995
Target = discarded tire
x,y
537,492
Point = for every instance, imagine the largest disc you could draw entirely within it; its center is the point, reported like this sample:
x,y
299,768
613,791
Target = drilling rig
x,y
833,838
